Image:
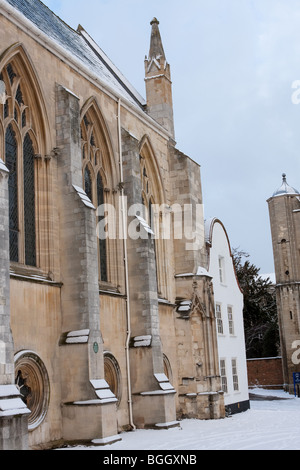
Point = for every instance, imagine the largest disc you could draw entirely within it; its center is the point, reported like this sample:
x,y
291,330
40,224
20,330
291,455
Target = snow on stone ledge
x,y
3,166
8,391
99,384
75,337
103,391
12,405
83,196
164,382
142,341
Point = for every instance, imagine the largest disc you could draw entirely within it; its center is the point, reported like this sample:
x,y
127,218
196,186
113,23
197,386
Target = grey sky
x,y
233,63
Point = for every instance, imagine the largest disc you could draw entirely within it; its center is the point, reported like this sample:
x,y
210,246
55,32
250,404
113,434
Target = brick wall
x,y
265,373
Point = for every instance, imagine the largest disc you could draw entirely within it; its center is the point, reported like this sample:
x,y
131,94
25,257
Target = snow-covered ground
x,y
268,425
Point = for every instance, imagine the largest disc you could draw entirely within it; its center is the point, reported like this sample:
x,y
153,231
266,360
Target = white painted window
x,y
235,375
223,375
222,269
230,320
219,319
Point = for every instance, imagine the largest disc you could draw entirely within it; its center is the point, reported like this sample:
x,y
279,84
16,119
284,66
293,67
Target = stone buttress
x,y
152,395
13,411
89,407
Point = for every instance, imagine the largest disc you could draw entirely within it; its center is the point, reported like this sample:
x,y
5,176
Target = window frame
x,y
230,320
223,375
221,268
12,118
219,318
235,375
92,161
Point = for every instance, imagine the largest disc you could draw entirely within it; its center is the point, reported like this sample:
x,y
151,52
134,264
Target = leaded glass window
x,y
88,183
93,182
102,242
12,165
20,151
29,201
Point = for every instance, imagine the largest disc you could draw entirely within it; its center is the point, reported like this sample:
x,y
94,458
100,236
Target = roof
x,y
285,188
80,45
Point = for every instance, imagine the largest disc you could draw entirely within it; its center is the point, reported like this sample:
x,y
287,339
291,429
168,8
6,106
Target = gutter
x,y
126,271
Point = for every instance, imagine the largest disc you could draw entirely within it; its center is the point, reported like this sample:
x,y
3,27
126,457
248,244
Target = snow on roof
x,y
79,45
285,188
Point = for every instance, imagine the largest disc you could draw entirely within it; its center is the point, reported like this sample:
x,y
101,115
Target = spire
x,y
156,47
158,82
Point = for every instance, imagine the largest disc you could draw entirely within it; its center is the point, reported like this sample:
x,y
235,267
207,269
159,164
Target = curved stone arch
x,y
198,308
88,165
167,368
154,174
99,152
32,380
104,177
33,138
32,89
156,196
17,132
113,374
103,140
209,228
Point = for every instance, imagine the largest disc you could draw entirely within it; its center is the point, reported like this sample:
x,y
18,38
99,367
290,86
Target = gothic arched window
x,y
102,242
88,183
11,151
19,151
93,182
29,201
153,198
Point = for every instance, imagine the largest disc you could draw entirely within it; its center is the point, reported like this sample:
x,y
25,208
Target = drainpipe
x,y
126,270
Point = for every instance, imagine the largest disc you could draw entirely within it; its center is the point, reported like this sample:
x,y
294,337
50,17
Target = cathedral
x,y
107,312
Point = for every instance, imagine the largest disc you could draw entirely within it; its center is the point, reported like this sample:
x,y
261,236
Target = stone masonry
x,y
13,413
80,291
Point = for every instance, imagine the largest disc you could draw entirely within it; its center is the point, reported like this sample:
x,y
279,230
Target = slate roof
x,y
78,45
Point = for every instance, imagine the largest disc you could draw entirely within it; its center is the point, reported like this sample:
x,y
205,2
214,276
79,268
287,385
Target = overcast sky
x,y
233,64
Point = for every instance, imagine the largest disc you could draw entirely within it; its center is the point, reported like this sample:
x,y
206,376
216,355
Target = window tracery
x,y
19,152
93,179
153,200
